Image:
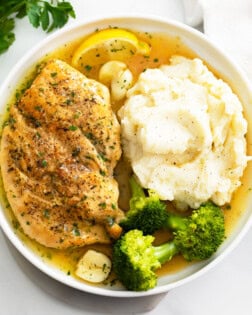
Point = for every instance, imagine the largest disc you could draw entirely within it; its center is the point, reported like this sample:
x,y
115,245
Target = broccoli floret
x,y
147,213
199,235
135,260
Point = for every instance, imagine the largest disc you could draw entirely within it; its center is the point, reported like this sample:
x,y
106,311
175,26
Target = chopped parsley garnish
x,y
76,151
102,205
44,163
110,221
38,108
88,67
46,214
54,74
73,128
76,231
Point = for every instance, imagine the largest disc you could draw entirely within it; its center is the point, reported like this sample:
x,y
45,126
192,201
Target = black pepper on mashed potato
x,y
183,131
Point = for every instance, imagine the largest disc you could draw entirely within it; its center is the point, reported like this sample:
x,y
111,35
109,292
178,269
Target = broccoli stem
x,y
165,252
175,222
136,189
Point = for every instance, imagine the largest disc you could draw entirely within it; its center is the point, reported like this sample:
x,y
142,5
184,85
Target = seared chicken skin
x,y
58,152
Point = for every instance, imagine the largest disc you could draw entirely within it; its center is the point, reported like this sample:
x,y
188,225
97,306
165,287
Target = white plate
x,y
207,51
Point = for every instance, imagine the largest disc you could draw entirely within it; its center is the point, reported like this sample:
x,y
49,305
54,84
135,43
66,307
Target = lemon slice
x,y
108,44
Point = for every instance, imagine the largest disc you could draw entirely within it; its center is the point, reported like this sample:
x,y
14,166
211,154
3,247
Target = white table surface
x,y
24,290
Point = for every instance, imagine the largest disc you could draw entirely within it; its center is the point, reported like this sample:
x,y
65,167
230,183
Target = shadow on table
x,y
81,300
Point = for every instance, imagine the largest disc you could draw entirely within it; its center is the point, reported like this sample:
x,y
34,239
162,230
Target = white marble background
x,y
24,290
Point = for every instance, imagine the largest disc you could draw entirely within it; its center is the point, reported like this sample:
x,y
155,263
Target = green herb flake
x,y
38,108
41,154
89,135
44,163
11,121
110,221
88,68
73,128
54,74
17,95
75,230
102,205
102,173
15,224
103,157
49,255
38,135
76,151
68,101
46,214
77,115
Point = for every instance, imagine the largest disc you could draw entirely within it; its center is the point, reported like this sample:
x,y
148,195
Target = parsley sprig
x,y
48,15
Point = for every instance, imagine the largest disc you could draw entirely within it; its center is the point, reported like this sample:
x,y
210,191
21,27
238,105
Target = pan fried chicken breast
x,y
58,152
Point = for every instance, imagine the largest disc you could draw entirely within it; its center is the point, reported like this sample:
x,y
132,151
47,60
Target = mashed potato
x,y
183,132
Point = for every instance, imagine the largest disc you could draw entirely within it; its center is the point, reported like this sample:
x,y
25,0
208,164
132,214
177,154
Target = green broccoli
x,y
149,214
199,235
146,213
135,259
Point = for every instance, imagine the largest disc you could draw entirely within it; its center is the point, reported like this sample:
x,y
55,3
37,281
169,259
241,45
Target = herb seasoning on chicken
x,y
58,152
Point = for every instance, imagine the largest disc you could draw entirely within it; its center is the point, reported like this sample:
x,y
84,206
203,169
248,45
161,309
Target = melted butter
x,y
66,259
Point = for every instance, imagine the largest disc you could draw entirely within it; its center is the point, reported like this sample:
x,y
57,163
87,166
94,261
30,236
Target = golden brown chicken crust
x,y
58,153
